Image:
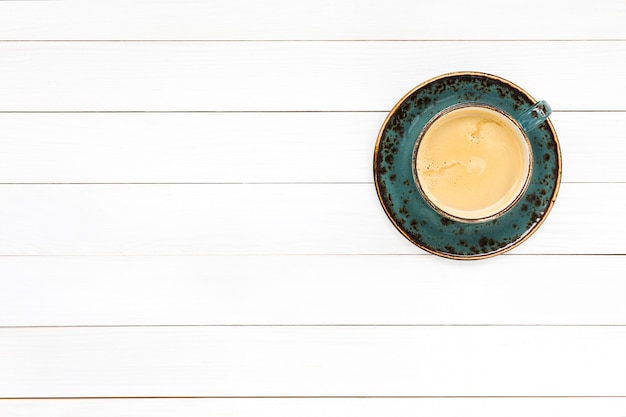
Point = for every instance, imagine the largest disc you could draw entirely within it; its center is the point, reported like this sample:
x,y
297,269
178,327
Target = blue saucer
x,y
404,204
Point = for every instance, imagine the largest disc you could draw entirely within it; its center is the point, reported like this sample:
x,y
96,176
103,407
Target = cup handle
x,y
534,115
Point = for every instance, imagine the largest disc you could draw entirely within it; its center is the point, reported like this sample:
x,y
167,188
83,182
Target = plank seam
x,y
307,397
269,40
113,326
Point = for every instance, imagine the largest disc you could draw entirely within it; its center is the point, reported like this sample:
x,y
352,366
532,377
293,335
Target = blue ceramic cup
x,y
472,161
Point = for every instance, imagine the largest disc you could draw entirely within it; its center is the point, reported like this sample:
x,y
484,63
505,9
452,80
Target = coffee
x,y
472,162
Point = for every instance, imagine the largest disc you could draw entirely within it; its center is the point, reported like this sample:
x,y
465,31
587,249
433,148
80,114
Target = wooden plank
x,y
312,361
189,147
262,76
262,219
247,147
330,407
310,290
282,19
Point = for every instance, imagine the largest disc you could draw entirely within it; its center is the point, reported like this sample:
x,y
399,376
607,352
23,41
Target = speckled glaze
x,y
412,214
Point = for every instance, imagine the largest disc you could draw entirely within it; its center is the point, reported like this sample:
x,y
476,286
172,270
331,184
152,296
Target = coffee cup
x,y
472,161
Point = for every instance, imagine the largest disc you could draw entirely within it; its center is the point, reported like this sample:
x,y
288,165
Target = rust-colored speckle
x,y
533,199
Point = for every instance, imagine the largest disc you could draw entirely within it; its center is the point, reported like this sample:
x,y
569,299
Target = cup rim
x,y
519,193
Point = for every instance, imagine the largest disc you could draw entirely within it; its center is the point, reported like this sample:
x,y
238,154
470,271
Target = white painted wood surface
x,y
261,219
188,211
331,407
287,20
233,148
293,76
308,290
314,361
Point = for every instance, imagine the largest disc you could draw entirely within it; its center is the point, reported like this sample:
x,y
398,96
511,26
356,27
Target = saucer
x,y
407,208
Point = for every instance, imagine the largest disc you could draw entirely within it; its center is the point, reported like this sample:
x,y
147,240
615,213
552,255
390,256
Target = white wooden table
x,y
189,224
